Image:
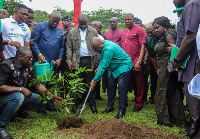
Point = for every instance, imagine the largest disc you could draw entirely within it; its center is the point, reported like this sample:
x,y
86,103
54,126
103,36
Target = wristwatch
x,y
140,63
176,60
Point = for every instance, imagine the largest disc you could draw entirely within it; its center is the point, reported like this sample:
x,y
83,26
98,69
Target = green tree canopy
x,y
9,6
64,12
104,15
40,16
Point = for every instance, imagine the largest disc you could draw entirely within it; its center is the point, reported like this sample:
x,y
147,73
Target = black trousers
x,y
154,78
88,76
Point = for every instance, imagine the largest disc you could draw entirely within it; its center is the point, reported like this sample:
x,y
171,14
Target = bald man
x,y
48,45
100,27
119,65
113,34
80,54
95,25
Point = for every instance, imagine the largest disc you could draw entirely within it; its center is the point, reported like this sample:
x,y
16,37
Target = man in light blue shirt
x,y
119,65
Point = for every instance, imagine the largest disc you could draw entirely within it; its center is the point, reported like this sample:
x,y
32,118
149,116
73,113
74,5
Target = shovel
x,y
84,106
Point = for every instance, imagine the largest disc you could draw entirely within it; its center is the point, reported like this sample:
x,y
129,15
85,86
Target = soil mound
x,y
116,129
111,129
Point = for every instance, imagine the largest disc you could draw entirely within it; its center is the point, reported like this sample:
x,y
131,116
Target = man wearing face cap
x,y
66,21
138,21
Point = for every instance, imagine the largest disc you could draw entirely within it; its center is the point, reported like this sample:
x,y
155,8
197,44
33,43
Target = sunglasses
x,y
149,33
31,57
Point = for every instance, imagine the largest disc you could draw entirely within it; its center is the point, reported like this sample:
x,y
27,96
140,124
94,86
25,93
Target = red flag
x,y
77,10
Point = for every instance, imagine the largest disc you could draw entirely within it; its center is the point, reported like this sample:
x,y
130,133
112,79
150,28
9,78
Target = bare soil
x,y
69,122
111,129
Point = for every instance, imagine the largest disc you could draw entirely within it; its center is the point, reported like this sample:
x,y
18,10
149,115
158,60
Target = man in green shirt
x,y
119,65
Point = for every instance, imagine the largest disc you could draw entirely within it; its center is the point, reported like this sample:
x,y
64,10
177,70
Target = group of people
x,y
122,58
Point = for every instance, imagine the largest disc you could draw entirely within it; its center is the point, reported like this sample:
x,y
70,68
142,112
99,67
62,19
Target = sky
x,y
146,10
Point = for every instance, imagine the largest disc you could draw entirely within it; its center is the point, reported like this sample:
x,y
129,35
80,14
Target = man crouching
x,y
15,74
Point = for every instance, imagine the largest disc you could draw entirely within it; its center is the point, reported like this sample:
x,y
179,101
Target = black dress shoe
x,y
24,115
74,109
42,112
107,110
137,109
120,115
94,109
5,135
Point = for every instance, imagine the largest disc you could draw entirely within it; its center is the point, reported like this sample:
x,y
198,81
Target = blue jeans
x,y
122,81
11,104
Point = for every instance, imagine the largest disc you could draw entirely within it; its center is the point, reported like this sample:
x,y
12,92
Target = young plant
x,y
67,86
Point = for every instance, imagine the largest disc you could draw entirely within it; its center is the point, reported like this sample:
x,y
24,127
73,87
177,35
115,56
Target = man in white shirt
x,y
15,32
81,54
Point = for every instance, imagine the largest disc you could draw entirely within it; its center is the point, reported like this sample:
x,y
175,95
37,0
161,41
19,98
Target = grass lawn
x,y
44,127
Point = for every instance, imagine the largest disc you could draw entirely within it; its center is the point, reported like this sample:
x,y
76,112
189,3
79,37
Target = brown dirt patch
x,y
69,122
118,129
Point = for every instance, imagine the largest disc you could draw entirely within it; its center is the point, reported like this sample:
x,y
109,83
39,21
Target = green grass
x,y
44,127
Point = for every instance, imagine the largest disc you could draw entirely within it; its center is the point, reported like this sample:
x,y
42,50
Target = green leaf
x,y
67,109
89,70
39,78
68,96
70,103
49,98
64,100
48,77
81,91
